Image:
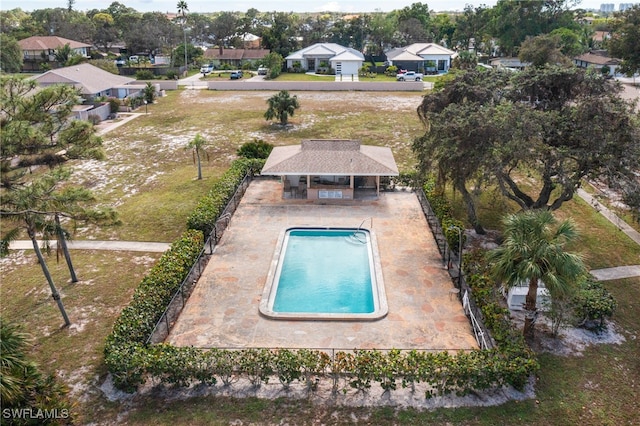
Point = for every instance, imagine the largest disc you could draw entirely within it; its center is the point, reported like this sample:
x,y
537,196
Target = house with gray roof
x,y
430,58
91,81
323,57
37,50
330,168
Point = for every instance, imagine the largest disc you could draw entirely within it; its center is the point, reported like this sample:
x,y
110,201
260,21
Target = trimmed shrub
x,y
593,305
256,149
211,206
144,75
124,351
114,105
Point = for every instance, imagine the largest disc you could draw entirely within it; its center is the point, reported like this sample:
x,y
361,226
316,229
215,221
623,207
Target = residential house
x,y
325,57
598,59
92,82
38,50
508,63
330,169
235,58
430,58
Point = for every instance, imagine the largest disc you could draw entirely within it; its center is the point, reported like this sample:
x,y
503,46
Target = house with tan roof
x,y
330,169
326,56
598,60
91,81
37,50
430,58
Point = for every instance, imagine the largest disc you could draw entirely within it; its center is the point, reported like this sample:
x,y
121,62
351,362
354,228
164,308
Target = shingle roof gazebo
x,y
330,168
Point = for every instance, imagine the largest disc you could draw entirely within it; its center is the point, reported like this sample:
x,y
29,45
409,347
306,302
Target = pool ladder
x,y
359,236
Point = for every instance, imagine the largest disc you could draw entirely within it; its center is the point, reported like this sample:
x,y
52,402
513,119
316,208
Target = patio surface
x,y
223,308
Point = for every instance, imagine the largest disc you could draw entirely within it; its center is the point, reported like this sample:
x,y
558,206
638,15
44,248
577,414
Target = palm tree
x,y
197,146
281,106
183,9
533,251
13,363
22,384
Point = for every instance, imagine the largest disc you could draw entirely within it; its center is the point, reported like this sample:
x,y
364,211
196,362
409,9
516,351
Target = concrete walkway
x,y
144,246
620,271
123,118
616,273
611,216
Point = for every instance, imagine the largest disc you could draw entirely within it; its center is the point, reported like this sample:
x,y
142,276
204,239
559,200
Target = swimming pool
x,y
325,273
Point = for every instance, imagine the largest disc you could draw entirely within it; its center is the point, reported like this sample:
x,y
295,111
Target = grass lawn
x,y
151,179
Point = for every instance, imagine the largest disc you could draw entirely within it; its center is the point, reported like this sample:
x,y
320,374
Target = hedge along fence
x,y
211,206
131,361
124,350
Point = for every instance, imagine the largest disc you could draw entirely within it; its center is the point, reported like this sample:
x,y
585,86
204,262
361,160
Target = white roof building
x,y
428,57
321,57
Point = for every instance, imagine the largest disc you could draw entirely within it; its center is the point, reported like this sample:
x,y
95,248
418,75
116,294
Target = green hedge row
x,y
442,209
211,206
150,299
443,373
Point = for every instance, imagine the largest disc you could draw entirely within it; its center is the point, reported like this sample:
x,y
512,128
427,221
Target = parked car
x,y
120,62
134,59
236,75
206,69
409,76
262,71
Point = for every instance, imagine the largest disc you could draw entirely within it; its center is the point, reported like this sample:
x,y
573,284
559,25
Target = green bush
x,y
145,75
124,351
114,105
211,206
593,304
442,209
256,149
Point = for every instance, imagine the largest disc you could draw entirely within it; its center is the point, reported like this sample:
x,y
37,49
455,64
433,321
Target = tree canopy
x,y
533,135
624,42
35,129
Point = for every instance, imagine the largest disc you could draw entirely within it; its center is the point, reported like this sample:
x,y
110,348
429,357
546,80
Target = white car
x,y
263,71
206,69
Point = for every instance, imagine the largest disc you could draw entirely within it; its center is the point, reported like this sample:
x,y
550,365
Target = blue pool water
x,y
325,271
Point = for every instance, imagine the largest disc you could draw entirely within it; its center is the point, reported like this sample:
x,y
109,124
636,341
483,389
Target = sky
x,y
201,6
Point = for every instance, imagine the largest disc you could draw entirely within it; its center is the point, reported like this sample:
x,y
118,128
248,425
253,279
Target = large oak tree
x,y
535,135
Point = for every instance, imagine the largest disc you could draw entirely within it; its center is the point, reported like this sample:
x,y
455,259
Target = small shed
x,y
330,168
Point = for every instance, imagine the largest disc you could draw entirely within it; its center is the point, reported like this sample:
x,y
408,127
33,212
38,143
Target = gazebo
x,y
330,168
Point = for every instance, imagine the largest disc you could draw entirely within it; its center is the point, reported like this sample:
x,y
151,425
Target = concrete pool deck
x,y
223,308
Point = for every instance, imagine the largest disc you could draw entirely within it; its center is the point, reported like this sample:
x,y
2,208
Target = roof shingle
x,y
331,157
